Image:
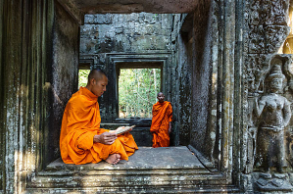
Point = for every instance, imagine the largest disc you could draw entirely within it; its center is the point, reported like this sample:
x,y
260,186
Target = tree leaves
x,y
138,90
82,77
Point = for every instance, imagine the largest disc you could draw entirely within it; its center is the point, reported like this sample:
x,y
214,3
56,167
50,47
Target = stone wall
x,y
135,33
206,57
198,58
62,77
182,35
197,41
201,74
27,78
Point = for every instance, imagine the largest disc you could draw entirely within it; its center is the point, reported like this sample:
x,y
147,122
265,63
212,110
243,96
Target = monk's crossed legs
x,y
113,153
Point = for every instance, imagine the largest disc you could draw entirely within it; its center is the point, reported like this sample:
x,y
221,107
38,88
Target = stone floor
x,y
144,158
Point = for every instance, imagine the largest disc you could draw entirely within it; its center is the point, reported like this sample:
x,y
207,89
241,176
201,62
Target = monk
x,y
82,140
161,122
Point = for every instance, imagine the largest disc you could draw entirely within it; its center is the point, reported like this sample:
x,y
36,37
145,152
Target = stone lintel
x,y
129,6
75,13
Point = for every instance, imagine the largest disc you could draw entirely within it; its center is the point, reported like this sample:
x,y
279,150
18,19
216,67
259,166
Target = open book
x,y
123,129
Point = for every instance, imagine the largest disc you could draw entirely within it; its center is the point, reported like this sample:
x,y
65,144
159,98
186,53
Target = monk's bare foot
x,y
113,159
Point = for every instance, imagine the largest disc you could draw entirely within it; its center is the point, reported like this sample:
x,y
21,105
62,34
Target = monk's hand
x,y
105,138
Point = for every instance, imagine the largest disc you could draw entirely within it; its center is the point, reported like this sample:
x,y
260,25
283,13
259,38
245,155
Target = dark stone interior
x,y
62,77
114,41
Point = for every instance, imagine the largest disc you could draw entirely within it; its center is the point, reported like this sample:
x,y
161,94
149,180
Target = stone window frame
x,y
112,59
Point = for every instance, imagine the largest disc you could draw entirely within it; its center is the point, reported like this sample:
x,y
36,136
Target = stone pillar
x,y
264,139
11,77
26,43
228,85
1,98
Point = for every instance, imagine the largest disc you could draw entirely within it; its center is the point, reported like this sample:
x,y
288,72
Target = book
x,y
123,129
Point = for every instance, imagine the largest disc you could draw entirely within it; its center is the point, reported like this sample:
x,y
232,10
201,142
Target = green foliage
x,y
82,77
138,90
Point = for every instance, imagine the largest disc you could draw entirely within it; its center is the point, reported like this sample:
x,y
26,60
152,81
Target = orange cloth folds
x,y
162,116
80,123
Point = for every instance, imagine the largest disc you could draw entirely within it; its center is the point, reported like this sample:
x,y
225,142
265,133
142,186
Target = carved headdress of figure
x,y
276,72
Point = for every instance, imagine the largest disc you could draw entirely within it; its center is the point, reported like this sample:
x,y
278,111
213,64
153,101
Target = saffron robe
x,y
162,116
80,123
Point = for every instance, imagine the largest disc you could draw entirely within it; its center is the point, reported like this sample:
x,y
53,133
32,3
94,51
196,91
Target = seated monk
x,y
161,122
82,140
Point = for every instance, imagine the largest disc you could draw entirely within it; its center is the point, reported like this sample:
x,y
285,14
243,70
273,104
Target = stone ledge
x,y
149,170
217,189
129,181
134,172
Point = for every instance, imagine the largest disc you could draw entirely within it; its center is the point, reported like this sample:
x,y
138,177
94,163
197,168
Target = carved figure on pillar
x,y
275,12
273,112
254,17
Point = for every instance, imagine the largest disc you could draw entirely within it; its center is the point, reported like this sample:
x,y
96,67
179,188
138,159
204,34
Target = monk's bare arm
x,y
105,138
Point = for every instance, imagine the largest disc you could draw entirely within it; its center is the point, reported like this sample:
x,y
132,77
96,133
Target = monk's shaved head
x,y
161,97
97,74
160,93
97,82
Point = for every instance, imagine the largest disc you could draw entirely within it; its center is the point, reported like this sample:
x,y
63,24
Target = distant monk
x,y
82,140
161,122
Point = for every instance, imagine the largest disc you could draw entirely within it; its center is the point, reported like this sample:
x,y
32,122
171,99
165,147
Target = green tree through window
x,y
138,90
82,77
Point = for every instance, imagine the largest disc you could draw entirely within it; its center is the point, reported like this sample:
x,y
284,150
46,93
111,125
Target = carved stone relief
x,y
273,114
267,148
269,81
267,23
275,12
256,67
275,37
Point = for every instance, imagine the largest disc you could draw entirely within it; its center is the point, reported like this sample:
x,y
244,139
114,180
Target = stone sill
x,y
153,169
139,122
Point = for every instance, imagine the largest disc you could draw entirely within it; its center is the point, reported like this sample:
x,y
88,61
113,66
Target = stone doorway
x,y
167,41
196,61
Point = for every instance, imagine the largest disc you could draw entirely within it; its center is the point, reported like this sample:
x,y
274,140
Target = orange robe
x,y
80,123
162,116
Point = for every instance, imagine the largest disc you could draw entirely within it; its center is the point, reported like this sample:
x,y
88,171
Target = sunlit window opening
x,y
288,44
82,77
137,91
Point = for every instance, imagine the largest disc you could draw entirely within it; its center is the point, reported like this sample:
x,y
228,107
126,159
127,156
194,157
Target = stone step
x,y
134,172
221,189
124,180
148,170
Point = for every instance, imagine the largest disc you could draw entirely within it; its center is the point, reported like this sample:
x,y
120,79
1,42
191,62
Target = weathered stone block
x,y
98,19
